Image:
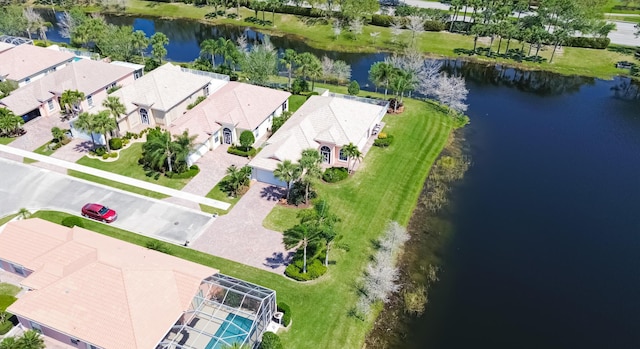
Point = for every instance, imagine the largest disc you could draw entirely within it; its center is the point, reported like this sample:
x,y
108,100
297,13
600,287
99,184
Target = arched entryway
x,y
226,136
326,154
144,116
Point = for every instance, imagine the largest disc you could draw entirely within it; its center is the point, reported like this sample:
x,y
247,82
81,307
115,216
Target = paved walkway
x,y
38,132
240,236
115,177
213,167
73,151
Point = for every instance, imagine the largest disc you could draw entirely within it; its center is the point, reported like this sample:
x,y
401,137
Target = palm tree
x,y
237,178
116,108
288,59
310,164
160,150
140,42
85,123
23,213
103,123
9,343
323,220
304,235
209,47
287,172
185,144
10,123
353,153
315,72
380,74
30,340
70,101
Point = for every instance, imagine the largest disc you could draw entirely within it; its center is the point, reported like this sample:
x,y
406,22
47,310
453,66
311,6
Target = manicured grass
x,y
218,194
295,102
8,289
118,185
6,140
5,301
281,218
6,219
127,165
385,189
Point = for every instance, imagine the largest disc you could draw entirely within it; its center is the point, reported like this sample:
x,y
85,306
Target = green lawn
x,y
6,219
218,194
127,165
295,102
6,140
8,289
387,188
281,218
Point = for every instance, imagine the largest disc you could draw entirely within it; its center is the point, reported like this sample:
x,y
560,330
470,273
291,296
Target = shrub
x,y
130,135
240,152
405,10
354,88
5,327
113,155
115,143
190,173
284,308
105,156
64,141
197,101
299,85
434,26
382,135
580,41
247,139
72,222
157,246
99,151
270,340
383,142
381,20
125,141
335,174
315,269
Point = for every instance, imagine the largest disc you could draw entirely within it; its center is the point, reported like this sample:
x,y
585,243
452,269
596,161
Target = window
x,y
343,156
50,104
75,341
284,106
110,86
137,74
27,80
206,90
35,326
91,346
144,116
90,101
18,270
326,154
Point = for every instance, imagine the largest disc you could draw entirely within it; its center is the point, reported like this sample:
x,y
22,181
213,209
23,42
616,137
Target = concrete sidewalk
x,y
116,177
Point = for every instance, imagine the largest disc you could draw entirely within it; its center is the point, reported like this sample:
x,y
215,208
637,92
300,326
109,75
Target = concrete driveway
x,y
35,188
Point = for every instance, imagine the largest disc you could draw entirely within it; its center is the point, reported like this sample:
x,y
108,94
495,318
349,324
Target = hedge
x,y
72,222
286,310
315,269
383,142
5,327
335,174
434,26
381,20
581,41
190,173
236,151
270,340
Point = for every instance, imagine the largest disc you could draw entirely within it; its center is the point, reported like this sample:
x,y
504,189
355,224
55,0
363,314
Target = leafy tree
x,y
260,63
247,139
237,179
103,123
354,88
35,23
6,87
10,123
359,8
12,21
89,32
301,235
70,101
288,59
287,172
85,123
158,50
121,43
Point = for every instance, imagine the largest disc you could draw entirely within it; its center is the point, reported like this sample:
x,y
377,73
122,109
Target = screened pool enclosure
x,y
225,311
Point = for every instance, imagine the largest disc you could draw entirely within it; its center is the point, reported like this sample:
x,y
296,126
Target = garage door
x,y
199,151
265,176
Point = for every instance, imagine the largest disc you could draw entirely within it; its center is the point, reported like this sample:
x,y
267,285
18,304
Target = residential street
x,y
35,188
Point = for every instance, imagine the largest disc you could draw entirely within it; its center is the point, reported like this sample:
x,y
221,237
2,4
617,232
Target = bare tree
x,y
356,27
66,25
337,28
34,21
374,36
327,67
243,43
342,71
396,29
416,25
452,92
429,77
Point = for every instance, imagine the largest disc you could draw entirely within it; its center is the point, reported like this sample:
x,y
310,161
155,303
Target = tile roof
x,y
320,120
104,291
85,75
23,61
163,88
5,46
245,106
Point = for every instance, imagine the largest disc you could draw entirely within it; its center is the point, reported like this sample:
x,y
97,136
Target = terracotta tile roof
x,y
86,76
321,119
98,289
5,46
25,60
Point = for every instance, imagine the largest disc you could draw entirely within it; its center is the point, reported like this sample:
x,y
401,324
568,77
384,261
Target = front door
x,y
226,135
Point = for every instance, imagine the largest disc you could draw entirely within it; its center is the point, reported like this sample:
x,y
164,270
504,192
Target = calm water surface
x,y
546,245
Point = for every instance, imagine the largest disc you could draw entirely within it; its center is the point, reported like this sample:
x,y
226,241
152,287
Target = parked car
x,y
99,212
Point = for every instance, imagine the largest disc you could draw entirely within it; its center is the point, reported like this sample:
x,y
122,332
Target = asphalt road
x,y
34,188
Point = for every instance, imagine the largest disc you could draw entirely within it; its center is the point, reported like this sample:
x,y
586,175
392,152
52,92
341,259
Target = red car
x,y
99,212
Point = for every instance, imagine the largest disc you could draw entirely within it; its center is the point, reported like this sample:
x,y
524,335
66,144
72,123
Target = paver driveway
x,y
34,188
240,236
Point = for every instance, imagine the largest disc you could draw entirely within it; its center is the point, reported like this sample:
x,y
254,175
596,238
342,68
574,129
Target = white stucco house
x,y
27,63
161,96
234,108
326,123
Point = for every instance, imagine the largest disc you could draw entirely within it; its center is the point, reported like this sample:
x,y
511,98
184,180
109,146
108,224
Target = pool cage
x,y
225,311
15,40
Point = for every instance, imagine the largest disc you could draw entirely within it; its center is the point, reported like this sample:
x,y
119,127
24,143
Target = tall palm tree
x,y
301,234
310,164
10,123
115,107
140,43
30,340
103,123
23,213
85,123
237,178
70,101
185,144
353,154
380,74
287,172
288,59
209,48
315,72
323,220
160,150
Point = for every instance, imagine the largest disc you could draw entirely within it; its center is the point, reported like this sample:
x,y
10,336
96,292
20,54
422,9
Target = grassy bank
x,y
385,189
587,62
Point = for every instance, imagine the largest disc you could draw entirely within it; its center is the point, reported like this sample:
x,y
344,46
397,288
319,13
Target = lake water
x,y
545,250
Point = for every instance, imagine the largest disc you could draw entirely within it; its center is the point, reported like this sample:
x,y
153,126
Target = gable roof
x,y
320,120
85,75
243,105
163,88
104,291
5,46
23,61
